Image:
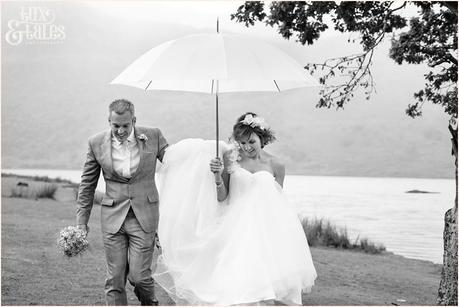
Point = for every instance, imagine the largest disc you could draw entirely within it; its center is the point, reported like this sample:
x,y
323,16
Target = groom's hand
x,y
84,227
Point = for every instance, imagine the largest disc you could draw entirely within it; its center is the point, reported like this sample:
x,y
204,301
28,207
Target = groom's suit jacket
x,y
138,192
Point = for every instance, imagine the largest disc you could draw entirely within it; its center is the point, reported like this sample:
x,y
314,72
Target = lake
x,y
408,224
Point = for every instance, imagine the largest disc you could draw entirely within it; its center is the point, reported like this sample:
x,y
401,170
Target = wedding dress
x,y
249,248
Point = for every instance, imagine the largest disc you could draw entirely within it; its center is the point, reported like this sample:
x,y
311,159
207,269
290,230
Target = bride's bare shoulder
x,y
276,163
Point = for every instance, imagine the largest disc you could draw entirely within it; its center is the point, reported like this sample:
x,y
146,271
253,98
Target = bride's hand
x,y
216,165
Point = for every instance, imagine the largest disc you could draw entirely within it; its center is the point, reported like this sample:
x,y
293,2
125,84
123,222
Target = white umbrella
x,y
215,63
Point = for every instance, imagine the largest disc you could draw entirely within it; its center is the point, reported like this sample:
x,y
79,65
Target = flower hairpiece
x,y
253,122
143,137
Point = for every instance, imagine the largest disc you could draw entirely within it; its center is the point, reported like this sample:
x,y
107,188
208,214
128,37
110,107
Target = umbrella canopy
x,y
194,63
215,63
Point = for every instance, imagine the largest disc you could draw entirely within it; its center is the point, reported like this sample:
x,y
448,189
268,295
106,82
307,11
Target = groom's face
x,y
121,125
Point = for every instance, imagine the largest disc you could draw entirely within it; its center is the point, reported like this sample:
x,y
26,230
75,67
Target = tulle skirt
x,y
247,249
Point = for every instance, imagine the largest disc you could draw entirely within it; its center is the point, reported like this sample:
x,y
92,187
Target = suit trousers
x,y
129,254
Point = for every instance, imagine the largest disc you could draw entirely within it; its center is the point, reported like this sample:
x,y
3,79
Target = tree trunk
x,y
447,292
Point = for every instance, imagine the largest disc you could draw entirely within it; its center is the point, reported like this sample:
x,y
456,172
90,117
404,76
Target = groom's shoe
x,y
146,300
153,302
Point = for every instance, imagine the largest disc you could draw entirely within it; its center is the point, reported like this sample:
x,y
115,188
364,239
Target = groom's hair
x,y
120,106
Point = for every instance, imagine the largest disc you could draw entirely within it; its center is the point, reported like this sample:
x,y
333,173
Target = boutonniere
x,y
142,137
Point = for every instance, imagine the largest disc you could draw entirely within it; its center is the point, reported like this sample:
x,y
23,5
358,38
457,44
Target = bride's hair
x,y
249,123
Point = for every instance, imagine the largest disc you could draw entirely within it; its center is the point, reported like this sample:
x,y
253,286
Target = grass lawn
x,y
34,273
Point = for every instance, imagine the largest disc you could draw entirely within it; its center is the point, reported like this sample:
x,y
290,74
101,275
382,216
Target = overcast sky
x,y
199,14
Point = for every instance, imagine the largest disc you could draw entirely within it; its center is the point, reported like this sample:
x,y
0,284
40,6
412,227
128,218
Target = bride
x,y
231,237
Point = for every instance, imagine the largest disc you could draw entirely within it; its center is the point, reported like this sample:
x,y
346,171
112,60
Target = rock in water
x,y
421,192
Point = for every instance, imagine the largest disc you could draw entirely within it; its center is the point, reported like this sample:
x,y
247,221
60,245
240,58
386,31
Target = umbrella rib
x,y
277,85
148,85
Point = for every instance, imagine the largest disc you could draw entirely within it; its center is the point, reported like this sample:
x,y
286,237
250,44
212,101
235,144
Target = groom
x,y
127,155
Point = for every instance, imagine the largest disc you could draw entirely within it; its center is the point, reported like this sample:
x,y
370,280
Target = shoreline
x,y
30,172
13,177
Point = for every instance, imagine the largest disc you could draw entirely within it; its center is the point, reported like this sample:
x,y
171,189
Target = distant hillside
x,y
55,96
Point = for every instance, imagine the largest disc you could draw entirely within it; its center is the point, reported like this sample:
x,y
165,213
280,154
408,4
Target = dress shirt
x,y
125,155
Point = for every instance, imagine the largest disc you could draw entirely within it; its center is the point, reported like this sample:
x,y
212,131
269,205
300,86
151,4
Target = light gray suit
x,y
128,234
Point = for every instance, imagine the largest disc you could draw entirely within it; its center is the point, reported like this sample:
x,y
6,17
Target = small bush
x,y
46,190
40,190
324,233
369,247
21,192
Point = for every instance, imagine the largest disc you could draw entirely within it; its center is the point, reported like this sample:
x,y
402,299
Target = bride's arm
x,y
279,171
222,177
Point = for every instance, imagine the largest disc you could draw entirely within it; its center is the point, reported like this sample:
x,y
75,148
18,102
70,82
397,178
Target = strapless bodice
x,y
243,181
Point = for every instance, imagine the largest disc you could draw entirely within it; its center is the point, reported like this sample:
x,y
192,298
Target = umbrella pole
x,y
216,108
216,121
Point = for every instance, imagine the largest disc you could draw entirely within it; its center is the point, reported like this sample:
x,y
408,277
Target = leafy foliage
x,y
428,38
431,39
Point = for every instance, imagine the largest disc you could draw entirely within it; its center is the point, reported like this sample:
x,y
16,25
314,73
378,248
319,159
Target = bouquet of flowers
x,y
72,241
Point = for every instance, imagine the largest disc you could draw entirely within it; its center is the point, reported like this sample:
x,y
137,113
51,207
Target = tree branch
x,y
398,8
